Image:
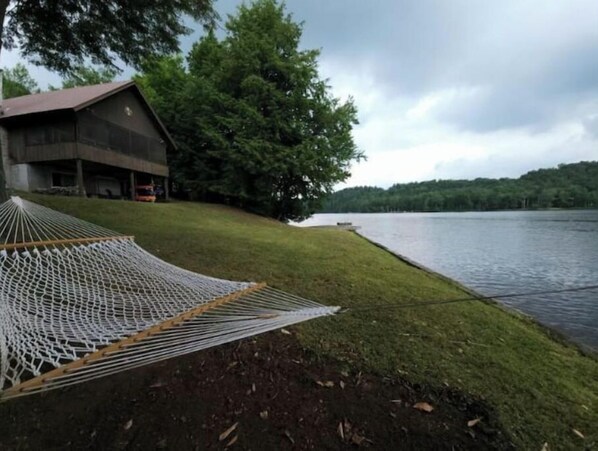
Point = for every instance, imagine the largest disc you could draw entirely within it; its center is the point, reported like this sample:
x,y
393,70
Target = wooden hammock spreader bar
x,y
13,246
40,380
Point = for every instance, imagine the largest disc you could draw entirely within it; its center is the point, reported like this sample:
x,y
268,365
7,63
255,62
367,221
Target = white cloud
x,y
405,141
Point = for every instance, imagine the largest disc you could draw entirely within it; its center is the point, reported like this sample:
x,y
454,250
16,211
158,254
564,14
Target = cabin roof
x,y
73,99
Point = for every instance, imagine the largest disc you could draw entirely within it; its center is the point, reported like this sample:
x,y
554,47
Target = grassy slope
x,y
540,388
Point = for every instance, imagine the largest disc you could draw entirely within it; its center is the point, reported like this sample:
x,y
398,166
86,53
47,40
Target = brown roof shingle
x,y
73,98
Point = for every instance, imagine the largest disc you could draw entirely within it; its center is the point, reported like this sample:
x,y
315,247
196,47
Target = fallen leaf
x,y
358,379
345,373
545,447
341,430
472,423
288,435
423,406
264,415
327,384
233,441
253,388
128,425
157,385
396,401
228,432
342,384
284,331
579,434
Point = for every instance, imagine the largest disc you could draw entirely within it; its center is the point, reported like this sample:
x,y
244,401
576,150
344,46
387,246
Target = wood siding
x,y
119,160
56,136
125,109
72,151
44,152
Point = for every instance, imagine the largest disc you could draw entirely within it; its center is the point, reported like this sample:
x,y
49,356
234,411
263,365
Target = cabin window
x,y
49,134
60,179
139,146
118,138
35,136
102,133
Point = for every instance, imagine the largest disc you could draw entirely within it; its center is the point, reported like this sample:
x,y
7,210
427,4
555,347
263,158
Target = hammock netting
x,y
78,302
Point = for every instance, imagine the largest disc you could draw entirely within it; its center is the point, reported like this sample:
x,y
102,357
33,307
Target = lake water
x,y
502,252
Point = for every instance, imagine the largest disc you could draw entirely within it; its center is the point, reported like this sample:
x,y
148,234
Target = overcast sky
x,y
454,88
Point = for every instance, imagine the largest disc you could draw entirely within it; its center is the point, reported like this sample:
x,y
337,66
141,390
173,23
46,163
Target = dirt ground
x,y
259,394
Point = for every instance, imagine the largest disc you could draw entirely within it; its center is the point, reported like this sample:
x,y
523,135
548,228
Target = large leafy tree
x,y
86,76
62,34
256,125
17,82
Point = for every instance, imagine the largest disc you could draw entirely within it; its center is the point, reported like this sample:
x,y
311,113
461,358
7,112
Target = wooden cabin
x,y
104,140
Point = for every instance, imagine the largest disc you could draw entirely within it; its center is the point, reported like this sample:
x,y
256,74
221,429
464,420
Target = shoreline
x,y
549,331
454,211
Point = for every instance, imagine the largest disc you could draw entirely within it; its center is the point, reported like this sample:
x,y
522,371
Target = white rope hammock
x,y
78,302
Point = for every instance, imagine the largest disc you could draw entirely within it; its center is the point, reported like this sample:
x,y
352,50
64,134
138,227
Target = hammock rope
x,y
78,301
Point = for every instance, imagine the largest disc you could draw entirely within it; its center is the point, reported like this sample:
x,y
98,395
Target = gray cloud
x,y
534,60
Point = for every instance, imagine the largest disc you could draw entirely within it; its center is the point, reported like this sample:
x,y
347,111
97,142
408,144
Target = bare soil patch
x,y
259,394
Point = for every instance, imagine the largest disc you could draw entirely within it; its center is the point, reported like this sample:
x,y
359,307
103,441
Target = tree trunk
x,y
3,191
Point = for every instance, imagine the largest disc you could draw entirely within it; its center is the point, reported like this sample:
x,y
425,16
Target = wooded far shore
x,y
567,186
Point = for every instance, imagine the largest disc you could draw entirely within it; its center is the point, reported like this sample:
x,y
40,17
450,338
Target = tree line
x,y
566,186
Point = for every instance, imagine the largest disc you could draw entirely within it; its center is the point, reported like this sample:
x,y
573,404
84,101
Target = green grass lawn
x,y
540,388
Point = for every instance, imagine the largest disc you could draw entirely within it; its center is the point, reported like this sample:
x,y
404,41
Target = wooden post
x,y
3,190
80,181
132,183
166,188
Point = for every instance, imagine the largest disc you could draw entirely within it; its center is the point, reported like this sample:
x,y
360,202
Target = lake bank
x,y
552,333
503,252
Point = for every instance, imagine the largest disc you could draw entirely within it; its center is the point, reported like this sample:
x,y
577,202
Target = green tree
x,y
256,125
17,82
62,35
86,76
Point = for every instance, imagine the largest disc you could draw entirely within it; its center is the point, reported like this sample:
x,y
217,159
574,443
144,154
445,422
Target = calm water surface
x,y
502,252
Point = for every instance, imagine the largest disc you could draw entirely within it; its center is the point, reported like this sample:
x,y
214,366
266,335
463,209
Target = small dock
x,y
347,226
339,225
